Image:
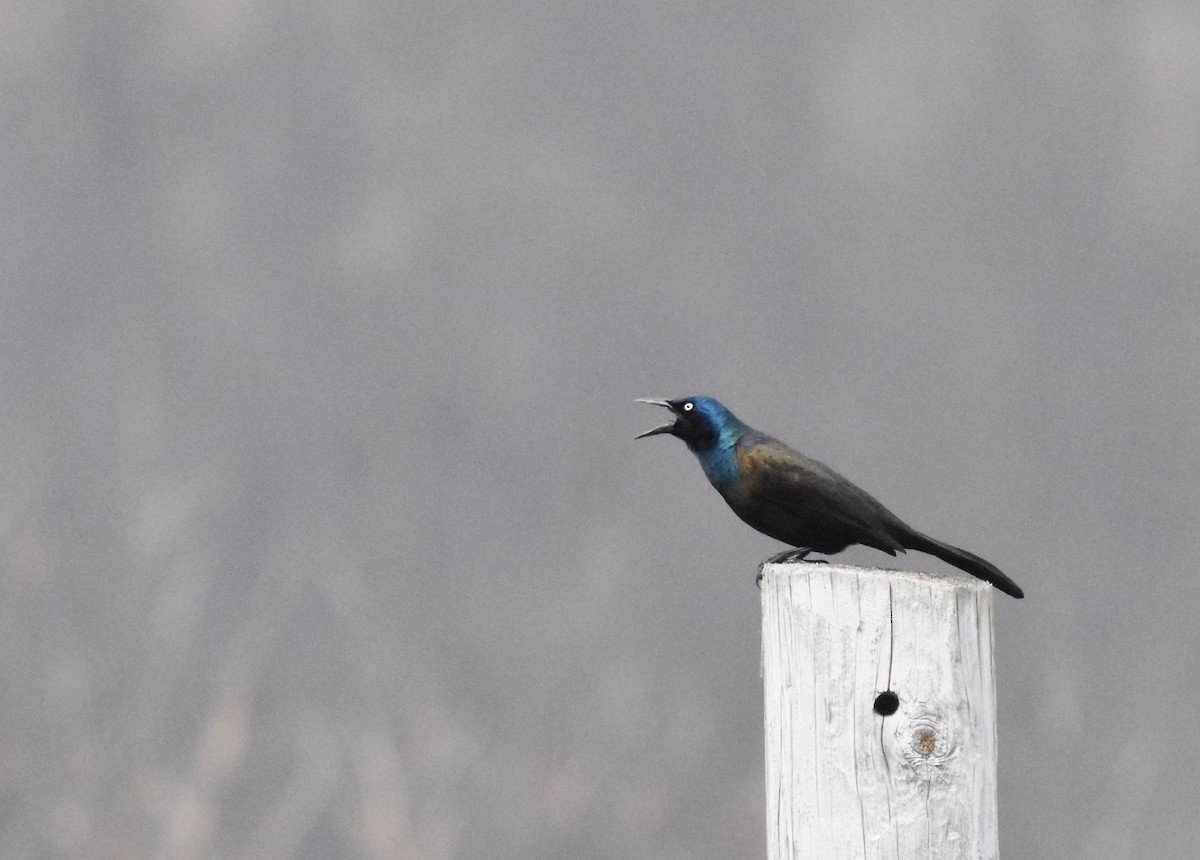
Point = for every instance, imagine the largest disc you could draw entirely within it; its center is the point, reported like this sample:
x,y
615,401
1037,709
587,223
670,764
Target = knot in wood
x,y
927,742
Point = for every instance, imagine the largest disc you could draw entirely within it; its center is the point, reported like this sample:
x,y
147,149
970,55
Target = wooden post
x,y
845,780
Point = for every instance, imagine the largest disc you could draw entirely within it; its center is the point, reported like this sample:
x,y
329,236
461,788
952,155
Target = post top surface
x,y
805,569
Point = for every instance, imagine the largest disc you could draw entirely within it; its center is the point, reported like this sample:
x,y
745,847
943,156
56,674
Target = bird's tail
x,y
963,560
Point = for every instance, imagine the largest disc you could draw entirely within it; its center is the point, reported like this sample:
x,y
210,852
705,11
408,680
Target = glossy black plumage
x,y
798,500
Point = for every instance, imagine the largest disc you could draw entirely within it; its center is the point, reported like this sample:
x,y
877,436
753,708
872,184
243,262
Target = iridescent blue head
x,y
703,423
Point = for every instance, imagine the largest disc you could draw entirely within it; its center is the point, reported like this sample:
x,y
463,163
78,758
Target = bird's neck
x,y
718,458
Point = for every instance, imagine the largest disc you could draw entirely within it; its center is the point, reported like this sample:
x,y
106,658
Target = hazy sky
x,y
325,530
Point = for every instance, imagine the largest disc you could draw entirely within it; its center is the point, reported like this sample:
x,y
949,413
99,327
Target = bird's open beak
x,y
665,428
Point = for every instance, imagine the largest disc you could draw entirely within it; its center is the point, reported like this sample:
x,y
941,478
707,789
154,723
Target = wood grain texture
x,y
844,781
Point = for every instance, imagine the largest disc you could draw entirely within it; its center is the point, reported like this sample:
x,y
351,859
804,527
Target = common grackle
x,y
795,499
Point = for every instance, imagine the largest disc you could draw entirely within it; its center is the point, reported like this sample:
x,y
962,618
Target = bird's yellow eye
x,y
687,407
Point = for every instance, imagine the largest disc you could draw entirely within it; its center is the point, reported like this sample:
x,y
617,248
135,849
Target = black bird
x,y
795,499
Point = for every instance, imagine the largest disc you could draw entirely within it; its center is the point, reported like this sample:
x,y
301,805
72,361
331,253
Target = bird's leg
x,y
785,557
800,553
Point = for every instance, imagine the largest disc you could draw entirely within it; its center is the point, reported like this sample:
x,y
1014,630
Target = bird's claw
x,y
787,557
792,555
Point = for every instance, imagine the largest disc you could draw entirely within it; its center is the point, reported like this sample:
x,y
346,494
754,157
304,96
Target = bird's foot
x,y
786,557
790,555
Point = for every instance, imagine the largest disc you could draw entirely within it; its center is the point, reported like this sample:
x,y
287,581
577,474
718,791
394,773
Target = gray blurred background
x,y
324,530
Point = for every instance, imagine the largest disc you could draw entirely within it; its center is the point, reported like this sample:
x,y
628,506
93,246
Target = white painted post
x,y
843,781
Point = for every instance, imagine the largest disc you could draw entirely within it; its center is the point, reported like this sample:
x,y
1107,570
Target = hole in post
x,y
887,703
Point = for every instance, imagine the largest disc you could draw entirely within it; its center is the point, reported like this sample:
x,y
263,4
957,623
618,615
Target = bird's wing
x,y
816,501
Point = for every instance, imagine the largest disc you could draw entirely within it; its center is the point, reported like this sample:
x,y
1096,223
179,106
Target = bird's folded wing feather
x,y
807,489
